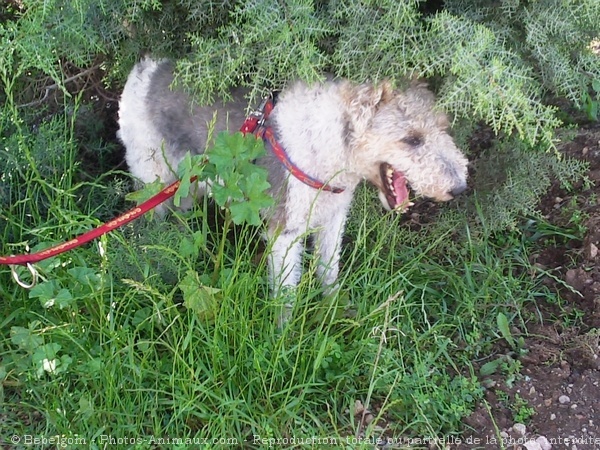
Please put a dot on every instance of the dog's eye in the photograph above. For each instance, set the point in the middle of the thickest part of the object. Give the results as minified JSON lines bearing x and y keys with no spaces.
{"x":414,"y":140}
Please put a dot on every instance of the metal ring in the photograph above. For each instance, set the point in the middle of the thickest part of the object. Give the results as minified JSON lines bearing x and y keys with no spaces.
{"x":32,"y":271}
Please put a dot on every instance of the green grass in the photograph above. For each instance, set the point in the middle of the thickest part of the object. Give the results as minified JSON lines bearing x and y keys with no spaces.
{"x":166,"y":329}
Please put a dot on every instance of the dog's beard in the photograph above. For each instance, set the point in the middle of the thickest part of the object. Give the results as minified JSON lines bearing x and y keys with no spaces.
{"x":394,"y":194}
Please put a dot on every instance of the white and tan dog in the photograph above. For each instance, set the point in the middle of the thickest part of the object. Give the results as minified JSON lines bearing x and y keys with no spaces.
{"x":337,"y":132}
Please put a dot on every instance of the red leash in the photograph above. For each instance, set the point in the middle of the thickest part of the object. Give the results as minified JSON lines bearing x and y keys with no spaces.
{"x":123,"y":219}
{"x":253,"y":124}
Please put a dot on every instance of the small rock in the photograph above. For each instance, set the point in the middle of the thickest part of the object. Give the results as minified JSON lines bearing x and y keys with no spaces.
{"x":532,"y":390}
{"x":552,"y":416}
{"x":544,"y":444}
{"x":532,"y":445}
{"x":519,"y":428}
{"x":548,"y":402}
{"x":574,"y":406}
{"x":578,"y":278}
{"x":504,"y":435}
{"x":358,"y":407}
{"x":564,"y":399}
{"x":592,"y":251}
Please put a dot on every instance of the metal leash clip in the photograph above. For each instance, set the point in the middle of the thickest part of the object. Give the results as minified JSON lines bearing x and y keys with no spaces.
{"x":260,"y":112}
{"x":34,"y":276}
{"x":254,"y":122}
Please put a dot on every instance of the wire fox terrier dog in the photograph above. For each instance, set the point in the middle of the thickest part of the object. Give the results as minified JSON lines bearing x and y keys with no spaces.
{"x":337,"y":132}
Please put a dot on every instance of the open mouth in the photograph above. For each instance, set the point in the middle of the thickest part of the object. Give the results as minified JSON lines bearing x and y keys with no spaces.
{"x":395,"y":188}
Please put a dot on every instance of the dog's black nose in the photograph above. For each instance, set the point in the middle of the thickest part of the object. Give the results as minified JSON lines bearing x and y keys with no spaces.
{"x":458,"y":190}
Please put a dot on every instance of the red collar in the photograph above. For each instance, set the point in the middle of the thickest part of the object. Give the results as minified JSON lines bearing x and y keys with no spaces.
{"x":269,"y":138}
{"x":255,"y":124}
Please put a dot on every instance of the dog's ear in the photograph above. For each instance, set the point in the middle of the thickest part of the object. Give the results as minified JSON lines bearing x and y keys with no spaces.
{"x":418,"y":91}
{"x":365,"y":99}
{"x":387,"y":92}
{"x":419,"y":94}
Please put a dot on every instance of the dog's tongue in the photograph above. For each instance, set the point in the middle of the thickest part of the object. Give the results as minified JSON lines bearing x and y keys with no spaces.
{"x":400,"y":189}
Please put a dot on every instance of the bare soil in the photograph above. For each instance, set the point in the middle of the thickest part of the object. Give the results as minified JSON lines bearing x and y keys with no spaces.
{"x":560,"y":376}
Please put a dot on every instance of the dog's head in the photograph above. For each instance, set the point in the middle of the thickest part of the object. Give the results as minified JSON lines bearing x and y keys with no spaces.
{"x":399,"y":141}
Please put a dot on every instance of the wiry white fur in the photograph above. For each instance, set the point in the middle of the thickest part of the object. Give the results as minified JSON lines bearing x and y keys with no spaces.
{"x":337,"y":132}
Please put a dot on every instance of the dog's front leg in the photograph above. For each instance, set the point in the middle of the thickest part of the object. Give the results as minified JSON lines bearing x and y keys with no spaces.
{"x":328,"y":243}
{"x":285,"y":269}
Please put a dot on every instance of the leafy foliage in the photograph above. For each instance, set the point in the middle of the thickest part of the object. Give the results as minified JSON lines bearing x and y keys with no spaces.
{"x":264,"y":43}
{"x":237,"y":183}
{"x":591,"y":101}
{"x":552,"y":36}
{"x":486,"y":80}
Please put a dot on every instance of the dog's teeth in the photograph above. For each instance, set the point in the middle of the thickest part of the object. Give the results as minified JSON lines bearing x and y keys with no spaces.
{"x":401,"y":208}
{"x":390,"y":180}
